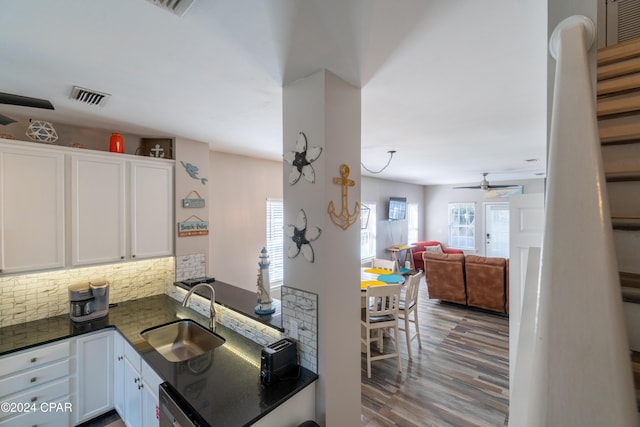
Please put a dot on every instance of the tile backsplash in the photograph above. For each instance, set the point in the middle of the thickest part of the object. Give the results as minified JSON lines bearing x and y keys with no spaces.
{"x":40,"y":295}
{"x":190,"y":266}
{"x":302,"y":307}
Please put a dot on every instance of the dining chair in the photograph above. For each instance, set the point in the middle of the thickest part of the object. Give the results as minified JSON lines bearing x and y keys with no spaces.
{"x":408,"y":305}
{"x":384,"y":264}
{"x":379,"y":313}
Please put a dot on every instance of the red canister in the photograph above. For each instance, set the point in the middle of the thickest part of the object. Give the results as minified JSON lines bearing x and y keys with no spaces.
{"x":116,"y":143}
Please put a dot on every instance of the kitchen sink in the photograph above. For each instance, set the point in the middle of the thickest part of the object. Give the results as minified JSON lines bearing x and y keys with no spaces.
{"x":181,"y":340}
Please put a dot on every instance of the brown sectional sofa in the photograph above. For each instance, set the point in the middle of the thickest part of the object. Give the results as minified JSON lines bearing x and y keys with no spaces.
{"x":468,"y":279}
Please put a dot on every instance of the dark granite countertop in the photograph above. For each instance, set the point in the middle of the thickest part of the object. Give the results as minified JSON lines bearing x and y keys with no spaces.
{"x":223,"y":386}
{"x":241,"y":301}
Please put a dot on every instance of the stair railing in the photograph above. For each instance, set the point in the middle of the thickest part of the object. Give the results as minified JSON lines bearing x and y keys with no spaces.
{"x":579,"y":370}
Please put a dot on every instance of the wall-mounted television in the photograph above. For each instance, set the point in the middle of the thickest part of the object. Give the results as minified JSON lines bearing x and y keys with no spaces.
{"x":397,"y":208}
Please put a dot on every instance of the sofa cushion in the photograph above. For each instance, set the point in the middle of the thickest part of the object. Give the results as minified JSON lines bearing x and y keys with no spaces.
{"x":444,"y":274}
{"x":486,"y":282}
{"x":437,"y":249}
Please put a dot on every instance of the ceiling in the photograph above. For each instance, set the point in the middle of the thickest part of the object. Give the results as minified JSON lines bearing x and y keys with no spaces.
{"x":457,"y":88}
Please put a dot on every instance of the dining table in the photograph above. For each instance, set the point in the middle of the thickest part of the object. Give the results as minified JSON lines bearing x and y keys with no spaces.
{"x":370,"y":276}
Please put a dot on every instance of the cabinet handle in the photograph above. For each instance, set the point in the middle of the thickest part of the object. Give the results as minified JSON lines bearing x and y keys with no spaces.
{"x":133,"y":256}
{"x":33,"y":379}
{"x":136,"y":380}
{"x":33,"y":359}
{"x":119,"y":357}
{"x":34,"y":398}
{"x":121,"y":257}
{"x":140,"y":386}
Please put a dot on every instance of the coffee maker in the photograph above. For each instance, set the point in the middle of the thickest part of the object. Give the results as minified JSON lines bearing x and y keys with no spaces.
{"x":88,"y":301}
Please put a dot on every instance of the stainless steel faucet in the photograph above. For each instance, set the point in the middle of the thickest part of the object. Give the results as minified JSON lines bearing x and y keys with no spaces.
{"x":212,"y":309}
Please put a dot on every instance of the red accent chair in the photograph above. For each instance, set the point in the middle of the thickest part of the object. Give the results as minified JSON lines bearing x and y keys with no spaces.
{"x":419,"y":250}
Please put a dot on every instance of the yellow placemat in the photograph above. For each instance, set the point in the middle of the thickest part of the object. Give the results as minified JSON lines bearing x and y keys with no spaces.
{"x":378,"y":271}
{"x":365,"y":283}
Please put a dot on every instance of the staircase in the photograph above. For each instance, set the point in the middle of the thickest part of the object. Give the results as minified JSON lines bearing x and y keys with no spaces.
{"x":618,"y":110}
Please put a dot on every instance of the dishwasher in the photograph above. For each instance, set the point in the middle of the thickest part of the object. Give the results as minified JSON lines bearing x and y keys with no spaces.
{"x":172,"y":414}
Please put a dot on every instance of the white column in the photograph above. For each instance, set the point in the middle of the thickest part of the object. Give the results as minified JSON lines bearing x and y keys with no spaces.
{"x":327,"y":110}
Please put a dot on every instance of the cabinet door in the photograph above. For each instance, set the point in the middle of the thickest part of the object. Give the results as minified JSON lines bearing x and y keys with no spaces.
{"x":150,"y":391}
{"x":94,"y":358}
{"x":150,"y":406}
{"x":132,"y":395}
{"x":118,"y":379}
{"x":97,"y":209}
{"x":31,"y":210}
{"x":151,"y":209}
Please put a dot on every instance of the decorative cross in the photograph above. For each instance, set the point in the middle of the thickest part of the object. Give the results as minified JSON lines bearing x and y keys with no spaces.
{"x":345,"y":219}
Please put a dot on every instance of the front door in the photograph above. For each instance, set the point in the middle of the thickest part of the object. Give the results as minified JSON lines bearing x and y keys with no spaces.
{"x":496,"y":230}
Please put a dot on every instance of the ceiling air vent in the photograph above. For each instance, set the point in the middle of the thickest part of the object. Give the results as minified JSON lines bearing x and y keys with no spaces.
{"x":177,"y":7}
{"x":89,"y":96}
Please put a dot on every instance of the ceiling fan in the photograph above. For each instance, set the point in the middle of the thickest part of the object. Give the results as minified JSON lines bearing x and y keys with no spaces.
{"x":484,"y":185}
{"x":23,"y":101}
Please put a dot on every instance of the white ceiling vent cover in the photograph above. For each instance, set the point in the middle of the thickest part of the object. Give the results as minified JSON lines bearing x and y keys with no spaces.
{"x":177,"y":7}
{"x":89,"y":96}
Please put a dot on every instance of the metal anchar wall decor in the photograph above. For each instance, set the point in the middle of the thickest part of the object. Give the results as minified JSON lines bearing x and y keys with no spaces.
{"x":344,"y":219}
{"x":301,"y":237}
{"x":301,"y":160}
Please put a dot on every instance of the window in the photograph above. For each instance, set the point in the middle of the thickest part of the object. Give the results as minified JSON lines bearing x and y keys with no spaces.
{"x":412,"y":222}
{"x":462,"y":226}
{"x":368,"y":235}
{"x":275,"y":240}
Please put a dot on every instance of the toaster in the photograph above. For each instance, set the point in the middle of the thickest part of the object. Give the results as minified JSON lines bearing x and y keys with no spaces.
{"x":279,"y":361}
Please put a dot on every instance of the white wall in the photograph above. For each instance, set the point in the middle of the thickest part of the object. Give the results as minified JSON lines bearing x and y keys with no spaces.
{"x":437,"y":198}
{"x":194,"y":153}
{"x":238,"y":189}
{"x":389,"y":233}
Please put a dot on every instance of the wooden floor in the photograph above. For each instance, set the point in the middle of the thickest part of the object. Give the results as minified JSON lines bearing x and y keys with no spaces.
{"x":460,"y":377}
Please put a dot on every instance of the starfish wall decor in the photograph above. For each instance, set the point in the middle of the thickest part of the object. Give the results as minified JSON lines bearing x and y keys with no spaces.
{"x":301,"y":160}
{"x":301,"y":237}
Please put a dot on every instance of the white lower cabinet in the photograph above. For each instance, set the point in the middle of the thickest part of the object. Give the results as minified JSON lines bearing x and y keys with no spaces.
{"x":94,"y":362}
{"x":36,"y":386}
{"x":136,"y":390}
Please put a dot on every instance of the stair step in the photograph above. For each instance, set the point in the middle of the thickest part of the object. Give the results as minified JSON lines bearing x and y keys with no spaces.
{"x":621,"y":130}
{"x":619,"y":51}
{"x":630,"y":283}
{"x":619,"y":84}
{"x":625,"y":223}
{"x":617,"y":69}
{"x":619,"y":104}
{"x":623,"y":176}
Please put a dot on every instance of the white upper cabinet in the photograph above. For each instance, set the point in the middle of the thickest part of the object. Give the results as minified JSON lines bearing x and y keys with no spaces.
{"x":32,"y":209}
{"x":98,"y":209}
{"x":62,"y":207}
{"x":151,"y":198}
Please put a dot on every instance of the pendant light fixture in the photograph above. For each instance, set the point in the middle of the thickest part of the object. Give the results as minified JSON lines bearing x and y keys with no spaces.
{"x":391,"y":153}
